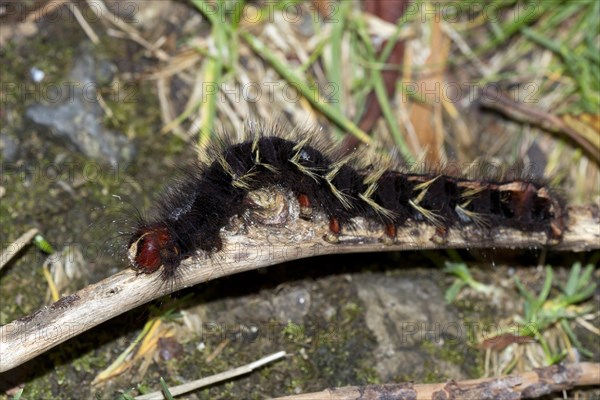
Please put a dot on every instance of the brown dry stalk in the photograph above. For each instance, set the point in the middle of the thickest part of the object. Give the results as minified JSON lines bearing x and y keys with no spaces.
{"x":527,"y":385}
{"x":15,"y":247}
{"x":538,"y":117}
{"x":250,"y":248}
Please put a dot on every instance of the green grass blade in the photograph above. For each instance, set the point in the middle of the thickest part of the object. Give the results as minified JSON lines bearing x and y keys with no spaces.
{"x":573,"y":281}
{"x":310,"y":94}
{"x":547,"y":286}
{"x":165,"y":389}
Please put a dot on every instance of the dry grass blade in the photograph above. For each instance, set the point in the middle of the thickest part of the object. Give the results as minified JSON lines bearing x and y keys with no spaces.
{"x":210,"y":380}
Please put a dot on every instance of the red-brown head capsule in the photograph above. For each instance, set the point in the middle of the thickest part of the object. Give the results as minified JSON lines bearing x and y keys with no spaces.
{"x":150,"y":248}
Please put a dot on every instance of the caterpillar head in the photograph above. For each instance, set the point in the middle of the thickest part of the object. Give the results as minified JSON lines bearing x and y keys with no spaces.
{"x":153,"y":246}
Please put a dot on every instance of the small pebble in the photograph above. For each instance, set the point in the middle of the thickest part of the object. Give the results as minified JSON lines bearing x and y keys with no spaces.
{"x":37,"y":75}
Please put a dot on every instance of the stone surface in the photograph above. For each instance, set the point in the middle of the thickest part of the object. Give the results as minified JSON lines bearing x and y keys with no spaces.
{"x":73,"y":116}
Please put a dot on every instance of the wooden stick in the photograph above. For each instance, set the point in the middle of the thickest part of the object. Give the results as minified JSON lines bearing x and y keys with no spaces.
{"x":15,"y":247}
{"x":528,"y":385}
{"x":250,"y":248}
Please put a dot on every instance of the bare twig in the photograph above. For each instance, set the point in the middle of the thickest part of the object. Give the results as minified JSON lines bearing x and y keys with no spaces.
{"x":101,"y":11}
{"x":254,"y":247}
{"x":209,"y":380}
{"x":538,"y":117}
{"x":528,"y":385}
{"x":15,"y":247}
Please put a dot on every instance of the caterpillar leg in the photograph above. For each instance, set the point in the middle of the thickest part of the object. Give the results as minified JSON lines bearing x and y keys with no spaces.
{"x":305,"y":206}
{"x":334,"y":225}
{"x":210,"y":242}
{"x":389,"y":236}
{"x":334,"y":231}
{"x":441,"y":235}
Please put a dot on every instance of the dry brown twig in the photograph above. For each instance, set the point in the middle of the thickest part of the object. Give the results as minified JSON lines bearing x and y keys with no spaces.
{"x":15,"y":247}
{"x":252,"y":246}
{"x":527,"y":385}
{"x":126,"y":30}
{"x":538,"y":117}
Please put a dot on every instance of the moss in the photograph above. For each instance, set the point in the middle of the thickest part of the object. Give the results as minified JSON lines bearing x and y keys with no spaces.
{"x":38,"y":389}
{"x":432,"y":374}
{"x":89,"y":363}
{"x":53,"y":59}
{"x":351,"y":311}
{"x":23,"y":285}
{"x":134,"y":109}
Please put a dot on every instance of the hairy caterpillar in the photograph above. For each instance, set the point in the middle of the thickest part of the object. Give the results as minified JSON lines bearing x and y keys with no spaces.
{"x":190,"y":215}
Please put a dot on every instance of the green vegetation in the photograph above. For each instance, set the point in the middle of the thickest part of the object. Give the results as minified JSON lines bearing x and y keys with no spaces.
{"x":542,"y":312}
{"x":463,"y":278}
